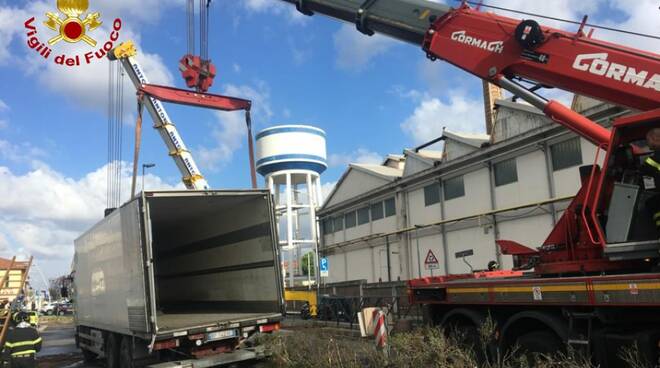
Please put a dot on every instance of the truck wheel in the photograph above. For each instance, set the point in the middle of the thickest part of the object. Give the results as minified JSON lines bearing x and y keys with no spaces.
{"x":537,"y":344}
{"x":126,"y":353}
{"x":112,"y":351}
{"x":88,"y":356}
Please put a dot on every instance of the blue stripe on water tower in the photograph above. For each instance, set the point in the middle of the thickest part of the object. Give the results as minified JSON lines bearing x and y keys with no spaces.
{"x":290,"y":129}
{"x":295,"y":161}
{"x":286,"y":165}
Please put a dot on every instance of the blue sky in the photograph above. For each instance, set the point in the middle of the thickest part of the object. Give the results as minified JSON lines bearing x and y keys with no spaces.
{"x":372,"y":96}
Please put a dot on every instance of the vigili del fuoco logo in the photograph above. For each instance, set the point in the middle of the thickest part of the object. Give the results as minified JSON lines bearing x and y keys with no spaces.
{"x":70,"y":26}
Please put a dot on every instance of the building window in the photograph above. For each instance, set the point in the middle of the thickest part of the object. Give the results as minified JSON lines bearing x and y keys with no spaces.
{"x":506,"y":172}
{"x":338,"y":223}
{"x":327,"y":226}
{"x":377,"y":211}
{"x":363,"y":215}
{"x":390,"y":208}
{"x":454,"y":188}
{"x":566,"y":154}
{"x":350,"y":219}
{"x":431,"y":194}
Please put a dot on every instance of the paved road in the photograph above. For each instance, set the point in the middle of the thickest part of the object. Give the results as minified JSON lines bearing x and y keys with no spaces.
{"x":59,"y":350}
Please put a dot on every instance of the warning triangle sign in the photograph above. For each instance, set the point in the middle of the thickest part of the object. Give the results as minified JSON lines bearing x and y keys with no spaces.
{"x":430,"y":258}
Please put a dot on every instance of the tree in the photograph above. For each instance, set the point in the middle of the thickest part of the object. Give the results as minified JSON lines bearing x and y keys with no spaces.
{"x":308,"y":264}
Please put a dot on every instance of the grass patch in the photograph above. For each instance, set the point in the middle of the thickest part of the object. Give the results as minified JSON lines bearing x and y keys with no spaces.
{"x":56,"y":320}
{"x":425,"y":347}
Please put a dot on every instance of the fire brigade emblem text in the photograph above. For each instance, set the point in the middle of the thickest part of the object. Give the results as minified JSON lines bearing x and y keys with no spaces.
{"x":72,"y":23}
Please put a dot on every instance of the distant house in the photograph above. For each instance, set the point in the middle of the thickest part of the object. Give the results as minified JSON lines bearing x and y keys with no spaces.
{"x":14,"y":281}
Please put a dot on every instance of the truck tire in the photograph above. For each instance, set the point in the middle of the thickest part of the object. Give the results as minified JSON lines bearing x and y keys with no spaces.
{"x":536,"y":344}
{"x":88,"y":356}
{"x":112,"y":351}
{"x":126,"y":353}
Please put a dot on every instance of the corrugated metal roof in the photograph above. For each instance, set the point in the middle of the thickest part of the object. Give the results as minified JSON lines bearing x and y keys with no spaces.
{"x":433,"y":155}
{"x":383,"y":171}
{"x":471,"y":139}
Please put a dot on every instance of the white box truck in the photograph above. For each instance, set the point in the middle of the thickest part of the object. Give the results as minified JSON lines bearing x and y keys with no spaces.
{"x":190,"y":276}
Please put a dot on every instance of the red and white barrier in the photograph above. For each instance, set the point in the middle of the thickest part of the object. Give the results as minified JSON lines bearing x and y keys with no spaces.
{"x":380,"y":329}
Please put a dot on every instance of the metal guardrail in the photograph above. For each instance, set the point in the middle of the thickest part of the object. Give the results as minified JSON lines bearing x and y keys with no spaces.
{"x":341,"y":307}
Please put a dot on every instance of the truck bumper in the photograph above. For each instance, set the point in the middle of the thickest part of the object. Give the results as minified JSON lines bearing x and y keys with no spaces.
{"x":217,"y":360}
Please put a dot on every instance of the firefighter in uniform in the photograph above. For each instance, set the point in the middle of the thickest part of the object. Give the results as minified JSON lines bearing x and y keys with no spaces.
{"x":22,"y":343}
{"x":651,"y":167}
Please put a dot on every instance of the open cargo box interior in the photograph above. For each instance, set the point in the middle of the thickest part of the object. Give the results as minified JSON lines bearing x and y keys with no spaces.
{"x":214,"y":259}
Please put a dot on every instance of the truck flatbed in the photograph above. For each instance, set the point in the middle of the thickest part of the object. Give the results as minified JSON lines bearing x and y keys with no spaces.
{"x":642,"y":289}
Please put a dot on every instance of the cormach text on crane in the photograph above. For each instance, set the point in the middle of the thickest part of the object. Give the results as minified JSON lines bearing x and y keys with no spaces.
{"x":64,"y":59}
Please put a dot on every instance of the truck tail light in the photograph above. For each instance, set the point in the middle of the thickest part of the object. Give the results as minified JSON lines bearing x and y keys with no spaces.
{"x":166,"y":344}
{"x":269,"y":328}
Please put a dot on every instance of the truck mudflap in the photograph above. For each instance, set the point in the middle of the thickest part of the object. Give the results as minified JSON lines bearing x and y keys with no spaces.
{"x":237,"y":356}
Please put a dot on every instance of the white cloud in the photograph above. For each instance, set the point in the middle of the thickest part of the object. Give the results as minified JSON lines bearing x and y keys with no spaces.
{"x":459,"y":114}
{"x":3,"y":106}
{"x":43,"y":211}
{"x":229,"y":131}
{"x":20,"y":153}
{"x":355,"y":50}
{"x":85,"y":85}
{"x":3,"y":124}
{"x":236,"y":67}
{"x":640,"y":16}
{"x":359,"y":156}
{"x":277,"y":8}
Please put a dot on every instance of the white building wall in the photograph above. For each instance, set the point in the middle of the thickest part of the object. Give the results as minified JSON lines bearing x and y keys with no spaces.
{"x":359,"y":264}
{"x":337,"y":267}
{"x":420,"y":214}
{"x":482,"y":245}
{"x":380,"y":262}
{"x":383,"y":225}
{"x":532,"y":185}
{"x":476,"y":199}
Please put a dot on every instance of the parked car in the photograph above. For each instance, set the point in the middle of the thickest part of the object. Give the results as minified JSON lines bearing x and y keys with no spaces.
{"x":48,"y":309}
{"x":64,"y":308}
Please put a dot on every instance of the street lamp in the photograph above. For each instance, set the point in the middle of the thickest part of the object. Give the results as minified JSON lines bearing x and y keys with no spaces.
{"x":144,"y":167}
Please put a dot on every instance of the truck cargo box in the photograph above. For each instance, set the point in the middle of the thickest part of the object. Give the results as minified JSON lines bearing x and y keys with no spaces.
{"x":180,"y":262}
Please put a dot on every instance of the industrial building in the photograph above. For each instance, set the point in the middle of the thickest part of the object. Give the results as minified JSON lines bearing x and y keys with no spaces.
{"x":382,"y":222}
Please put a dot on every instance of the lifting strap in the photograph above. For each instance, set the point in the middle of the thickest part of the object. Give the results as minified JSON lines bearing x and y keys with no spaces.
{"x":138,"y":141}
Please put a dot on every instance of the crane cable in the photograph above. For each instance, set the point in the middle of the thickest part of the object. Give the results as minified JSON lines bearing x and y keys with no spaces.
{"x":204,"y":29}
{"x":115,"y":134}
{"x":190,"y":12}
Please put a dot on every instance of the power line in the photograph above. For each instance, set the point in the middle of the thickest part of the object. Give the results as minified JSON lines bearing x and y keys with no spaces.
{"x":563,"y":20}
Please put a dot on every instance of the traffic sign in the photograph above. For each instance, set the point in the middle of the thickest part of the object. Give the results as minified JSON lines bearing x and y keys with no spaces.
{"x":431,"y":261}
{"x":324,"y":267}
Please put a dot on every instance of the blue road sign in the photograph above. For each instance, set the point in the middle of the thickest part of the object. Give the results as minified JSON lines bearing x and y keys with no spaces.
{"x":324,"y":267}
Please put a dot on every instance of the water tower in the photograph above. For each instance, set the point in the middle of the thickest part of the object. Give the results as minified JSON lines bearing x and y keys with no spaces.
{"x":292,"y":158}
